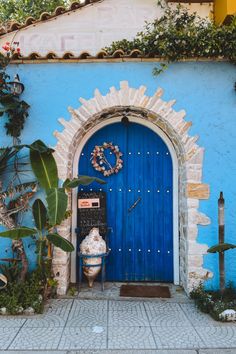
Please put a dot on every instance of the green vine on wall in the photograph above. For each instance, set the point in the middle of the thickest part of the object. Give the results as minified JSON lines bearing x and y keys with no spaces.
{"x":15,"y":109}
{"x":179,"y":35}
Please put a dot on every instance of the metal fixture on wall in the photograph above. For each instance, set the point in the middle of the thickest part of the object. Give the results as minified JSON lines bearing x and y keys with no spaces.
{"x":16,"y":86}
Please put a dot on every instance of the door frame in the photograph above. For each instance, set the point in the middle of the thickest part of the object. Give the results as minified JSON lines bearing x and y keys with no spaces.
{"x":167,"y":141}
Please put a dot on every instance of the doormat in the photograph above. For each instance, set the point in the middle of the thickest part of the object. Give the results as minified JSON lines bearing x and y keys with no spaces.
{"x":145,"y":291}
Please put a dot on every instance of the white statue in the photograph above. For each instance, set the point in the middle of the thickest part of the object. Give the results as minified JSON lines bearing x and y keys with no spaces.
{"x":92,"y":244}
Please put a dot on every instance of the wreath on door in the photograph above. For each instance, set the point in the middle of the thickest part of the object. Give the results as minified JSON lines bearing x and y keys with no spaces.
{"x":100,"y":162}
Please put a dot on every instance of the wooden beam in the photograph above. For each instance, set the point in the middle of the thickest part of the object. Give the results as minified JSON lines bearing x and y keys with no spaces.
{"x":198,"y":191}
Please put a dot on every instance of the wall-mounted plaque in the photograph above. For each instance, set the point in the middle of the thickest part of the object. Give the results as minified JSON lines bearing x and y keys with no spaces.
{"x":91,"y":212}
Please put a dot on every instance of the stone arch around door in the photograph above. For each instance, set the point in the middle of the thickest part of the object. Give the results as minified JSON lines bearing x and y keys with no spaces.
{"x":159,"y":116}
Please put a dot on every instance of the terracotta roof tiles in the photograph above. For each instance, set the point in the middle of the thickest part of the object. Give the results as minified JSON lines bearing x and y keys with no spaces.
{"x":60,"y":10}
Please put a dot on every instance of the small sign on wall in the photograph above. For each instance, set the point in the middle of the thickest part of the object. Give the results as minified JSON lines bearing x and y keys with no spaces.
{"x":92,"y":212}
{"x":89,"y":203}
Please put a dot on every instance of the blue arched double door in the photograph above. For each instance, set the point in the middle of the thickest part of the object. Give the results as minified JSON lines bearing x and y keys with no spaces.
{"x":142,"y":239}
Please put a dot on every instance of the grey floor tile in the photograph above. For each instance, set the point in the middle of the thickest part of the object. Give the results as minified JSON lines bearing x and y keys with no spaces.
{"x":130,"y":338}
{"x":198,"y":318}
{"x":88,"y":305}
{"x":217,"y":351}
{"x":177,"y":338}
{"x":127,"y":319}
{"x":55,"y":315}
{"x":46,"y":321}
{"x":168,"y":319}
{"x":6,"y":336}
{"x":218,"y":336}
{"x":162,"y":306}
{"x":132,"y":351}
{"x":33,"y":352}
{"x":166,"y":315}
{"x":37,"y":338}
{"x":87,"y":319}
{"x":128,"y":306}
{"x":83,"y":338}
{"x":11,"y":322}
{"x":59,"y":307}
{"x":88,"y":313}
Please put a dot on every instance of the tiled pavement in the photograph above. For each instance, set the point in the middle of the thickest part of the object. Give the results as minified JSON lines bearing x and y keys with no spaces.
{"x":117,"y":326}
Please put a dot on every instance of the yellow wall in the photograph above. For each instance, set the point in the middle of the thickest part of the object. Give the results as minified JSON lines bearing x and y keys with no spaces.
{"x":224,"y":8}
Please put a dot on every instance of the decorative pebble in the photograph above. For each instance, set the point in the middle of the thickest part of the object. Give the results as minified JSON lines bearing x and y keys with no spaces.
{"x":29,"y":311}
{"x":228,"y":315}
{"x":3,"y":310}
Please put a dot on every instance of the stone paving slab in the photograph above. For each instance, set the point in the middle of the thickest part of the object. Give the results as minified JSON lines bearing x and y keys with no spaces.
{"x":89,"y":305}
{"x":197,"y":318}
{"x":177,"y":338}
{"x":11,"y":322}
{"x":127,"y":306}
{"x":126,"y":319}
{"x":130,"y":338}
{"x":6,"y":336}
{"x":168,"y":315}
{"x":135,"y":351}
{"x":124,"y":326}
{"x":218,"y":337}
{"x":83,"y":338}
{"x":45,"y":321}
{"x":37,"y":338}
{"x":111,"y":351}
{"x":217,"y":351}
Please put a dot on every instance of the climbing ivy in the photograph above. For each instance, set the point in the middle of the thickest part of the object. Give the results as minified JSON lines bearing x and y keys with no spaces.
{"x":11,"y":106}
{"x":179,"y":35}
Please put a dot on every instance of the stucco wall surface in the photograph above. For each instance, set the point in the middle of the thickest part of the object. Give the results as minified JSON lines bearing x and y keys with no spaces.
{"x":204,"y":89}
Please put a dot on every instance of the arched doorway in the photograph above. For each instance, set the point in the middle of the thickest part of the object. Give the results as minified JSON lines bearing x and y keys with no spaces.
{"x":139,"y":202}
{"x":187,"y":159}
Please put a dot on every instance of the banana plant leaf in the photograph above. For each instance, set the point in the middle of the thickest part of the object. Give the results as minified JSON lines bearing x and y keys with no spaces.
{"x":40,"y":214}
{"x":39,"y":146}
{"x":57,"y":205}
{"x":18,"y":233}
{"x":60,"y":242}
{"x":45,"y":168}
{"x":221,"y":247}
{"x":84,"y":180}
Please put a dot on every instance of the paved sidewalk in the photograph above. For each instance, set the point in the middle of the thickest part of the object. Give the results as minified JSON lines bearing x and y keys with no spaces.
{"x":111,"y":325}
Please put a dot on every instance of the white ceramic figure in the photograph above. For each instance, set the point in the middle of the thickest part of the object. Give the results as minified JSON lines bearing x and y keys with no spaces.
{"x":92,"y":244}
{"x":228,"y":315}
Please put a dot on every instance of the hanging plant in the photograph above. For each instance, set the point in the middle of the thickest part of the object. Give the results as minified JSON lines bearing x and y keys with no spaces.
{"x":99,"y":160}
{"x":10,"y":105}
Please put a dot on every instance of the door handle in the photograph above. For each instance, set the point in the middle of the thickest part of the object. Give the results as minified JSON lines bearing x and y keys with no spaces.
{"x":134,"y":205}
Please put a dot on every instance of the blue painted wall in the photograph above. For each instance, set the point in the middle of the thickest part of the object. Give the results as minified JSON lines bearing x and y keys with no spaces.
{"x":204,"y":90}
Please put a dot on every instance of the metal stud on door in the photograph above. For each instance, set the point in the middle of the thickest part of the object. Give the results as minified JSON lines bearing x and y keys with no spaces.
{"x":139,"y":203}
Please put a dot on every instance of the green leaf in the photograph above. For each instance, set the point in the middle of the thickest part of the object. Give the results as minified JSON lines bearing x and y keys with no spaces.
{"x":39,"y":146}
{"x":221,"y":247}
{"x":40,"y":214}
{"x":60,"y":242}
{"x":57,"y":205}
{"x":18,"y":233}
{"x":84,"y":180}
{"x":45,"y":168}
